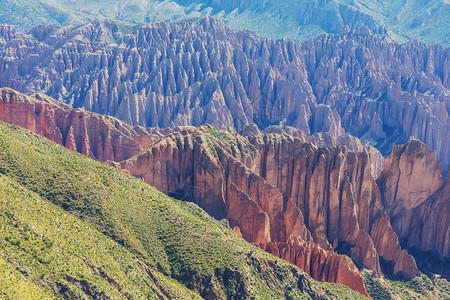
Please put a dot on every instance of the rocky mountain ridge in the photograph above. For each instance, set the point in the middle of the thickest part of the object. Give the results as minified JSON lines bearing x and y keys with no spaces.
{"x":100,"y":137}
{"x":304,"y":203}
{"x":277,"y":191}
{"x":168,"y":75}
{"x":298,"y":20}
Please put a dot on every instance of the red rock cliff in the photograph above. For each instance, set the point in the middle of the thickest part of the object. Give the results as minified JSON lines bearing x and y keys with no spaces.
{"x":100,"y":137}
{"x":416,"y":197}
{"x":281,"y":193}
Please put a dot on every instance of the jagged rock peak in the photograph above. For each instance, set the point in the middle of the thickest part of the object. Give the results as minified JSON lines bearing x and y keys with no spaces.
{"x":192,"y":73}
{"x":417,"y":198}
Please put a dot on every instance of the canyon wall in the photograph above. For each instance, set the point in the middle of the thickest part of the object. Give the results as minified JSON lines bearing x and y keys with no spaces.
{"x":165,"y":75}
{"x":100,"y":137}
{"x":416,"y":198}
{"x":302,"y":203}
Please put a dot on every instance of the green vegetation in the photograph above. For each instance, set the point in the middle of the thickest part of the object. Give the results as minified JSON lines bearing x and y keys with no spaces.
{"x":15,"y":285}
{"x":76,"y":260}
{"x":234,"y":144}
{"x":72,"y":227}
{"x":419,"y":288}
{"x":218,"y":134}
{"x":216,"y":139}
{"x":67,"y":97}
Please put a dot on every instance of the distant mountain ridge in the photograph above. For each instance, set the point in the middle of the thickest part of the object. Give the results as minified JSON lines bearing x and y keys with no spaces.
{"x":299,"y":19}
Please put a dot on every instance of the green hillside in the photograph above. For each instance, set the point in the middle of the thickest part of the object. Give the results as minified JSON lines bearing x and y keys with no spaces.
{"x":73,"y":228}
{"x":25,"y":14}
{"x":45,"y":249}
{"x":295,"y":19}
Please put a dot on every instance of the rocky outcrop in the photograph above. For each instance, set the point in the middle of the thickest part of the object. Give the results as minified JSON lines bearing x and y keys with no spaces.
{"x":325,"y":140}
{"x":164,"y":75}
{"x":416,"y":197}
{"x":210,"y":168}
{"x":337,"y":194}
{"x":100,"y":137}
{"x":429,"y":228}
{"x":277,"y":191}
{"x":320,"y":264}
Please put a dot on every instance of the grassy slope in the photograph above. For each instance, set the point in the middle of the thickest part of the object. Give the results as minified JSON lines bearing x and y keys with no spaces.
{"x":14,"y":285}
{"x":422,"y":287}
{"x":71,"y":224}
{"x":71,"y":259}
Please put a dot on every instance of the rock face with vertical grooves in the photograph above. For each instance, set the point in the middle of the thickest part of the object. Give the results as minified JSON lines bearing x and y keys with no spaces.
{"x":289,"y":197}
{"x":278,"y":190}
{"x":319,"y":263}
{"x":100,"y":137}
{"x":79,"y":130}
{"x":338,"y":196}
{"x":195,"y":73}
{"x":416,"y":197}
{"x":214,"y":169}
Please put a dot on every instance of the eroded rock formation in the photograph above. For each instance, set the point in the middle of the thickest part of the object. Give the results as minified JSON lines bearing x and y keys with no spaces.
{"x":416,"y":198}
{"x":319,"y":263}
{"x":281,"y":193}
{"x":338,"y":196}
{"x":194,"y":73}
{"x":100,"y":137}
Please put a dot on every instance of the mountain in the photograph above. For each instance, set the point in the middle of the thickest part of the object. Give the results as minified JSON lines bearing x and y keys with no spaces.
{"x":112,"y":139}
{"x":263,"y":160}
{"x":167,"y":75}
{"x":235,"y":165}
{"x":26,"y":14}
{"x":298,"y":20}
{"x":294,"y":200}
{"x":74,"y":228}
